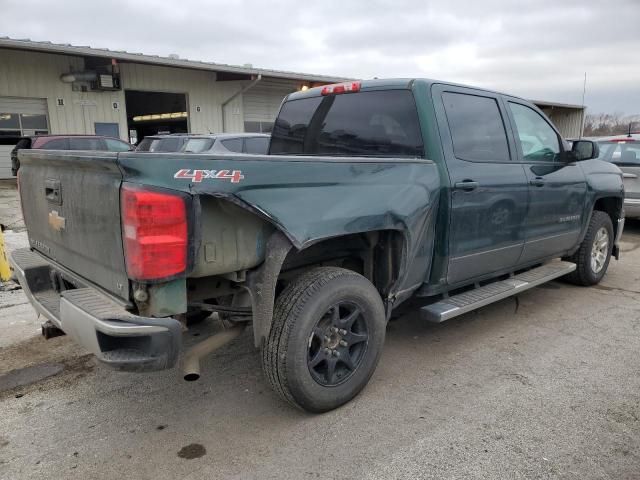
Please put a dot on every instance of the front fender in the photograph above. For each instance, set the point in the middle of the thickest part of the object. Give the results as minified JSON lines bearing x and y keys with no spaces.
{"x":604,"y":181}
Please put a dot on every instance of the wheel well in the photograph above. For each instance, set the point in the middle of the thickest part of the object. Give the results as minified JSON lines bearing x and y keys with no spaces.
{"x":375,"y":255}
{"x":612,"y":206}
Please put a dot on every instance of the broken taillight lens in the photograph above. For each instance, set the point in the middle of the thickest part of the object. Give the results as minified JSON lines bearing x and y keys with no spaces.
{"x":154,"y":230}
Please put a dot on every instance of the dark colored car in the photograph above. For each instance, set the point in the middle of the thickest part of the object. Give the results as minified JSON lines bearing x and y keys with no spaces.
{"x":372,"y":193}
{"x":252,"y":143}
{"x":67,"y":142}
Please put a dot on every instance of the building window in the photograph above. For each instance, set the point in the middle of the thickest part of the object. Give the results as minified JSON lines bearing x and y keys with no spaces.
{"x":107,"y":129}
{"x":22,"y":124}
{"x":258,"y":127}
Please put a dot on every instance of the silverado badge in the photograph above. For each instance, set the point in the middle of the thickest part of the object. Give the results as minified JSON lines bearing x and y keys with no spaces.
{"x":56,"y":221}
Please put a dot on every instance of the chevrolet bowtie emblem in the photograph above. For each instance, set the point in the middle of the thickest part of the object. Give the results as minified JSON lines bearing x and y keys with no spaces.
{"x":56,"y":221}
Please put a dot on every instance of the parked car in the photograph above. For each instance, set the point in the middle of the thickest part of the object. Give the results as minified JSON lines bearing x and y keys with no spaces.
{"x":373,"y":192}
{"x":625,"y":153}
{"x":66,"y":142}
{"x":253,"y":143}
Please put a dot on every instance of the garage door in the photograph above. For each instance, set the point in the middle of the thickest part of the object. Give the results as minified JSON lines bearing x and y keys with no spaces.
{"x":19,"y":117}
{"x":262,"y":102}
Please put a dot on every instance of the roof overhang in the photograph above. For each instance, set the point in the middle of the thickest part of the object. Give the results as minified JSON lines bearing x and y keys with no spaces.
{"x":541,"y":103}
{"x":122,"y":56}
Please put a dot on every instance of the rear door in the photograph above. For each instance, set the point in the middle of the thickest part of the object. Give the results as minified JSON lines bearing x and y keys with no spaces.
{"x":71,"y":207}
{"x":557,"y":188}
{"x":488,"y":194}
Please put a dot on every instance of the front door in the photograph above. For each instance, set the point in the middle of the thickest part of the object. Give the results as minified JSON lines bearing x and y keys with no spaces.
{"x":488,"y":194}
{"x":557,"y":188}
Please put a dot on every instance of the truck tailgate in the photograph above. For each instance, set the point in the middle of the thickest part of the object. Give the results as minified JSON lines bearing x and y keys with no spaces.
{"x":71,"y":207}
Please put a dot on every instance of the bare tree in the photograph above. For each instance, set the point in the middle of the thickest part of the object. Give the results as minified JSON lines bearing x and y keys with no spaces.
{"x":603,"y":124}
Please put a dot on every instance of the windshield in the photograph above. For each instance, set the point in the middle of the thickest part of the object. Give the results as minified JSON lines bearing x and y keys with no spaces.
{"x":621,"y":152}
{"x":168,"y":144}
{"x":380,"y":123}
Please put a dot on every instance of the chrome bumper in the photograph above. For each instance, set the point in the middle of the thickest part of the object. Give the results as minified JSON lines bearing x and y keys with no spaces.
{"x":119,"y":339}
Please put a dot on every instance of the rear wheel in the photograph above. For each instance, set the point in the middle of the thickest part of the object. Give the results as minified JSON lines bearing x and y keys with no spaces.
{"x":326,"y":339}
{"x":593,"y":256}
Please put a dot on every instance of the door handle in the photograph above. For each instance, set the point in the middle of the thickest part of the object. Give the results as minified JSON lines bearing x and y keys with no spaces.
{"x":629,"y":175}
{"x":537,"y":182}
{"x":467,"y":185}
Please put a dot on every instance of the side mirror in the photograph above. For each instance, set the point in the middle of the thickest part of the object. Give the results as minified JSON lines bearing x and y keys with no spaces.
{"x":585,"y":150}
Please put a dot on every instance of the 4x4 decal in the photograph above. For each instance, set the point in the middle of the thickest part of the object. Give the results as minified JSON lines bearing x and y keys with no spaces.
{"x":196,"y":176}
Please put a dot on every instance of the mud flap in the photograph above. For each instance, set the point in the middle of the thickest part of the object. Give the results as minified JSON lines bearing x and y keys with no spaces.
{"x":261,"y":285}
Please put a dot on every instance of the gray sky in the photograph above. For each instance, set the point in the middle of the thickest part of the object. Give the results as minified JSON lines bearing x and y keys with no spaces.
{"x":538,"y":49}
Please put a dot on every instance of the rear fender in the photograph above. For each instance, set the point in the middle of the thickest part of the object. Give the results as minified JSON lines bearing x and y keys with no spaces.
{"x":307,"y":200}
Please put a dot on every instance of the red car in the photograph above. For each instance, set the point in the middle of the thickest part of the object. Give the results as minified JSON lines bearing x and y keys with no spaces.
{"x":67,"y":142}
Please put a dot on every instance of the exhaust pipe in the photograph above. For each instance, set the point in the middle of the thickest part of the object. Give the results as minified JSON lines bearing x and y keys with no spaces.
{"x":191,"y":366}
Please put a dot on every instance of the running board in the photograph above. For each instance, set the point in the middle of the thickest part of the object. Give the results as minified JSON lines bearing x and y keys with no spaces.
{"x":455,"y":305}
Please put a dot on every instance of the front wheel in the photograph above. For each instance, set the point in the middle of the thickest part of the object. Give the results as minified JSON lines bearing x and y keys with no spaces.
{"x":594,"y":254}
{"x":326,"y":339}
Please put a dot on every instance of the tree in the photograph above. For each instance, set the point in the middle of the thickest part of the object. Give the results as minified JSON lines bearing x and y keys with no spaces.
{"x":605,"y":124}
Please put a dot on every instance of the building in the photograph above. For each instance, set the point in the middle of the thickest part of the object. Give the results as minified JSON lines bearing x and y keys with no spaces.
{"x":569,"y":119}
{"x":66,"y":89}
{"x":63,"y":89}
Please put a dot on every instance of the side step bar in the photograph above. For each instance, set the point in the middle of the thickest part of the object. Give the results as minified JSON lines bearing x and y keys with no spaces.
{"x":451,"y":307}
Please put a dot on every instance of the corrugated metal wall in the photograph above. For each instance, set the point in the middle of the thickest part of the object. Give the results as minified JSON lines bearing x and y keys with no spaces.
{"x":567,"y":120}
{"x":37,"y":75}
{"x":262,"y":102}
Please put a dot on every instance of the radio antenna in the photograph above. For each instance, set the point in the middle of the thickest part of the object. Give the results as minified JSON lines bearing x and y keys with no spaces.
{"x":584,"y":91}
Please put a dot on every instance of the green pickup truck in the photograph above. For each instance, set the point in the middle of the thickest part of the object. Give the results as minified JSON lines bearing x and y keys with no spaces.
{"x":373,"y":192}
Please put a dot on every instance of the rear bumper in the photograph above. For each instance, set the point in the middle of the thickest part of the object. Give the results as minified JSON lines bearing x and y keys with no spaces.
{"x":118,"y":339}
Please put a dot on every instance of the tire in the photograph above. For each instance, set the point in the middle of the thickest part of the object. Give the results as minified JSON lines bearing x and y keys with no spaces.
{"x":324,"y":311}
{"x":585,"y":274}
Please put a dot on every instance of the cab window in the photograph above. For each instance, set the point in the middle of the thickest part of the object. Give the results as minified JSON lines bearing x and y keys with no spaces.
{"x":476,"y":127}
{"x":539,"y":142}
{"x":114,"y":145}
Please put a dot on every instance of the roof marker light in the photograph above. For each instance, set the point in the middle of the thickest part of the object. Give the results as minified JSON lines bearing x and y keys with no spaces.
{"x":336,"y":88}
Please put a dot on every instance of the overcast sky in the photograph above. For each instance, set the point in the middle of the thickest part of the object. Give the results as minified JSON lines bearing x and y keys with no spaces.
{"x":538,"y":49}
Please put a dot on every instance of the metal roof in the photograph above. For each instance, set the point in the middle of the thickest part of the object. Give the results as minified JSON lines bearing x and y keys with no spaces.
{"x":542,"y":103}
{"x":86,"y":51}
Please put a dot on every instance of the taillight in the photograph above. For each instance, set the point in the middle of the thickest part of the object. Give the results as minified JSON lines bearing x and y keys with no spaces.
{"x":154,"y":227}
{"x":347,"y":87}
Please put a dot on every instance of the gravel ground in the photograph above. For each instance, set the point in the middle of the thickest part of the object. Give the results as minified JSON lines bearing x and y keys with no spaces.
{"x":543,"y":387}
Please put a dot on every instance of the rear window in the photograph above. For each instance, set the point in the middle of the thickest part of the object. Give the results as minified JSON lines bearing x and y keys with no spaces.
{"x":256,"y":145}
{"x":197,"y":145}
{"x":233,"y":144}
{"x":620,"y":153}
{"x":86,"y":144}
{"x":171,"y":144}
{"x":114,"y":145}
{"x":379,"y":124}
{"x":55,"y":144}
